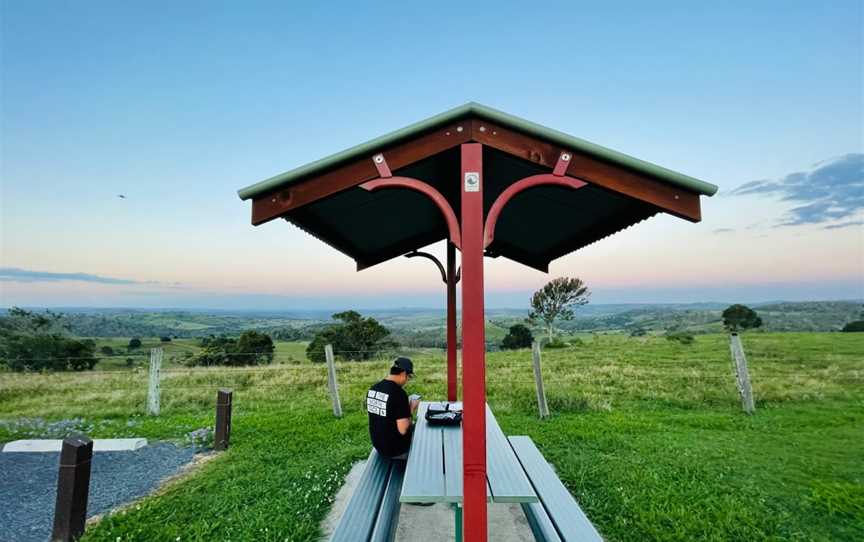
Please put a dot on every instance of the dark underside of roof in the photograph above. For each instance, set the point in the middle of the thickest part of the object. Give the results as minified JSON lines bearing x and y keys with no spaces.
{"x":535,"y":227}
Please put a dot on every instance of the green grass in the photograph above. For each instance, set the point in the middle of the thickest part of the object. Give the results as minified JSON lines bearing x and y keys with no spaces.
{"x":646,"y":433}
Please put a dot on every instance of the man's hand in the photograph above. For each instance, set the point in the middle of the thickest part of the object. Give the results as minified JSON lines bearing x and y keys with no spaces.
{"x":414,"y":404}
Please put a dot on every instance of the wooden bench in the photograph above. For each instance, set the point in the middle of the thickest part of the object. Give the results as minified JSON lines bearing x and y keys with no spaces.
{"x":373,"y":510}
{"x":557,"y":517}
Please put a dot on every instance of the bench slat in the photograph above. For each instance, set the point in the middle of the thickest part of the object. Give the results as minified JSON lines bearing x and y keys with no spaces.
{"x":423,"y":479}
{"x":569,"y":519}
{"x":453,"y":465}
{"x":505,"y":475}
{"x":388,"y":516}
{"x":540,"y":522}
{"x":362,"y":509}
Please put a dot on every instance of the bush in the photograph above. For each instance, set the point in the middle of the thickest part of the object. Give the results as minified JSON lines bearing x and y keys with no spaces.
{"x":106,"y":350}
{"x":165,"y":339}
{"x":555,"y":343}
{"x":680,"y":336}
{"x":518,"y":337}
{"x":135,"y":342}
{"x":855,"y":326}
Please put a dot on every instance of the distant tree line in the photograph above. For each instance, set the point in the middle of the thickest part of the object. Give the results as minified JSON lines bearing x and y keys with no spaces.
{"x":32,"y":341}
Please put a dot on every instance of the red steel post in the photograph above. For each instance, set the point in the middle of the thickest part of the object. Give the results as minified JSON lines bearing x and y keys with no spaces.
{"x":452,"y":377}
{"x":473,"y":346}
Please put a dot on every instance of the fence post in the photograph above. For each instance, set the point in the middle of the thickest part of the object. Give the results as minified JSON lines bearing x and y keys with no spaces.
{"x":224,"y":398}
{"x":742,"y":375}
{"x":331,"y":381}
{"x":153,"y":381}
{"x":538,"y":379}
{"x":73,"y":487}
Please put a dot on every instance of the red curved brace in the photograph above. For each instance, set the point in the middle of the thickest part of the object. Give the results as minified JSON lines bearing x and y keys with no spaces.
{"x":515,"y":188}
{"x":424,"y":188}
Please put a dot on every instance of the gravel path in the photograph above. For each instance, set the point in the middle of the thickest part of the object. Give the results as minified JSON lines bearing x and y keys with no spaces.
{"x":28,"y":485}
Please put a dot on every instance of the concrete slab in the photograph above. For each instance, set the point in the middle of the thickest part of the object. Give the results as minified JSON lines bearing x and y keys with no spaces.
{"x":55,"y":445}
{"x":435,"y":523}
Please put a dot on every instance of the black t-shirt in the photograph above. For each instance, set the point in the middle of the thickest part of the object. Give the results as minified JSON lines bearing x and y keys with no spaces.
{"x":387,"y":402}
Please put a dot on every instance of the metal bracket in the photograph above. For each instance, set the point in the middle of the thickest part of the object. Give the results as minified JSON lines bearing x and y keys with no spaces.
{"x":381,"y":166}
{"x":561,"y":165}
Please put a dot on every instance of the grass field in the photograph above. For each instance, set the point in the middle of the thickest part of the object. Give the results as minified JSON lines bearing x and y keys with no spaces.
{"x":645,"y":432}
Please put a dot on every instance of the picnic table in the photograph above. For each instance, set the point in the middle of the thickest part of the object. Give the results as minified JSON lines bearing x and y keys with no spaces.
{"x":434,"y":470}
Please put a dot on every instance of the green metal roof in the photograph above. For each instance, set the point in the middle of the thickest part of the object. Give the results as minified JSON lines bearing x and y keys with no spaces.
{"x":472,"y":109}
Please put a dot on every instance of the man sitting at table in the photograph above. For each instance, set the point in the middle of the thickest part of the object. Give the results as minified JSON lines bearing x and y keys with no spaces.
{"x":390,"y":411}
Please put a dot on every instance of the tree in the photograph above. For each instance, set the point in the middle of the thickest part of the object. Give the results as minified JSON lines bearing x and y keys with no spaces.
{"x":255,"y":345}
{"x":857,"y":325}
{"x":738,"y":318}
{"x":354,"y":338}
{"x":31,"y":341}
{"x":165,"y":339}
{"x":558,"y":299}
{"x":134,"y":342}
{"x":518,"y":337}
{"x":251,"y":348}
{"x":106,"y":350}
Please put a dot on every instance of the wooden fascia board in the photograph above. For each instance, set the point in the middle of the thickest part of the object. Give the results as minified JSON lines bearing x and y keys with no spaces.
{"x":676,"y":201}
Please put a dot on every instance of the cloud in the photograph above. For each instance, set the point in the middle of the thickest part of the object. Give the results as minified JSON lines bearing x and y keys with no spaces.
{"x":832,"y":190}
{"x":14,"y":274}
{"x":723,"y":230}
{"x":844,"y":225}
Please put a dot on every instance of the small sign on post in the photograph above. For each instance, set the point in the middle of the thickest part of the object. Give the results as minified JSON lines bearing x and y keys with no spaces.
{"x":153,"y":390}
{"x":331,"y":381}
{"x":73,"y":488}
{"x":224,"y":398}
{"x":538,"y":379}
{"x":742,"y":374}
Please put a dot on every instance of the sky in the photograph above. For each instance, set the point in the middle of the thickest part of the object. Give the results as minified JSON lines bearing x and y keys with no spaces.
{"x":176,"y":105}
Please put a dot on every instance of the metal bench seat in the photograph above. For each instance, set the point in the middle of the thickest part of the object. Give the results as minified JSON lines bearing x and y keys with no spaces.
{"x":373,"y":510}
{"x":557,"y":517}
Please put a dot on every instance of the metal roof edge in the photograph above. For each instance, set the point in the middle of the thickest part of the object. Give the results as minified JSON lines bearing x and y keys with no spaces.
{"x":604,"y":153}
{"x":468,"y":109}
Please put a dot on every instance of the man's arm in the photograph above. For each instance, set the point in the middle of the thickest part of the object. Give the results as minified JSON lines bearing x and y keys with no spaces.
{"x":403,"y":425}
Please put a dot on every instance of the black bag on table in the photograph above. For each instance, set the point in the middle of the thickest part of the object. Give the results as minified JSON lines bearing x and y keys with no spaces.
{"x":435,"y":415}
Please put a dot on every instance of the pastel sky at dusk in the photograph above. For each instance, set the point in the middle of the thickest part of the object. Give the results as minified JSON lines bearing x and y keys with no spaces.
{"x":176,"y":105}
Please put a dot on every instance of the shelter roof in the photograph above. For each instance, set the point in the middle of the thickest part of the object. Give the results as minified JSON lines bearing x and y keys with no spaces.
{"x":325,"y":197}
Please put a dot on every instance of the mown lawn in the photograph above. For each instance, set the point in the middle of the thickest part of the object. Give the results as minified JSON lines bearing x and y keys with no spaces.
{"x":645,"y":432}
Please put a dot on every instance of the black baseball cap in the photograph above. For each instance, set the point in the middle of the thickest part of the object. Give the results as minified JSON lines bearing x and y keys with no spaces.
{"x":404,"y":364}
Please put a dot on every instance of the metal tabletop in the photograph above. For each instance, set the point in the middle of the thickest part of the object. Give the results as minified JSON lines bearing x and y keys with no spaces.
{"x":434,"y":470}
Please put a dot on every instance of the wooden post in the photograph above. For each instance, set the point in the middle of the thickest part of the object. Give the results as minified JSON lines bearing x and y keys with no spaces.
{"x":153,"y":381}
{"x":224,"y":399}
{"x":473,"y":347}
{"x":73,"y":487}
{"x":538,"y":379}
{"x":742,"y":375}
{"x":331,"y":381}
{"x":452,"y":378}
